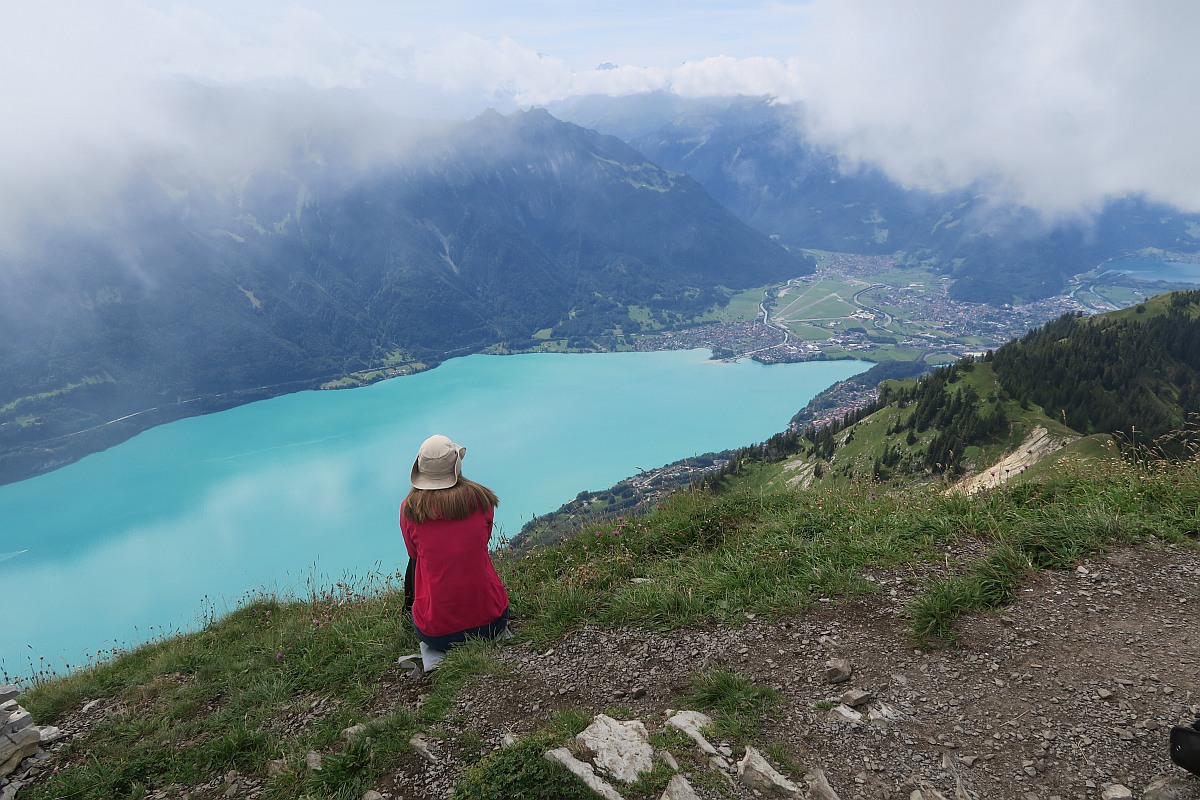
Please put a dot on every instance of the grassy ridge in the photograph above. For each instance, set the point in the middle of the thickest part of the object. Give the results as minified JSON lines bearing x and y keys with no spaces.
{"x":241,"y":694}
{"x":260,"y":689}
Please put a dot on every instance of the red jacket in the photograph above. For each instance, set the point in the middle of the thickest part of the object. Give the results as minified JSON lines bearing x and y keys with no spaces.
{"x":456,"y":585}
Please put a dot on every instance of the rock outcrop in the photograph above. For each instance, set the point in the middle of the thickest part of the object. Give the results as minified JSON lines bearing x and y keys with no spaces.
{"x":20,"y":742}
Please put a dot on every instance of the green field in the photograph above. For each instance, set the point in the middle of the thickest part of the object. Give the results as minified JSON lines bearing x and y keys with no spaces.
{"x":810,"y":333}
{"x":899,"y":299}
{"x":743,"y":306}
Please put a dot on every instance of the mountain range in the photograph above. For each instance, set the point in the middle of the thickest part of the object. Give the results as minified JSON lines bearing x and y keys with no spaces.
{"x":754,"y":157}
{"x":358,"y":242}
{"x":479,"y":234}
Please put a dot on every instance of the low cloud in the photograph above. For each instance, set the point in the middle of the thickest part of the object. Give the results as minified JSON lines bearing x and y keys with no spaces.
{"x":1055,"y":106}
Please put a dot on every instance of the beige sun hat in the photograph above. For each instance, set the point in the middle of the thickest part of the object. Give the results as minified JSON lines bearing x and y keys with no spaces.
{"x":438,"y":464}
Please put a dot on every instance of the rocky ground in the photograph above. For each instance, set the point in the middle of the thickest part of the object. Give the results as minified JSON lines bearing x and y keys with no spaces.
{"x":1069,"y":693}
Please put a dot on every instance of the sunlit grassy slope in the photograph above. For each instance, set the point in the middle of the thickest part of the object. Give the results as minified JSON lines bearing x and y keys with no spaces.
{"x":213,"y":700}
{"x":228,"y":697}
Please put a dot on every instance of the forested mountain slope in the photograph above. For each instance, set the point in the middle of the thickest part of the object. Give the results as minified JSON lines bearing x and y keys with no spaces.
{"x":1133,"y":371}
{"x":311,"y":269}
{"x":1131,"y":374}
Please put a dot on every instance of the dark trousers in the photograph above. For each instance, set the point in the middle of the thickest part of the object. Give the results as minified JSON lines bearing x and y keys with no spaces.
{"x":489,"y":631}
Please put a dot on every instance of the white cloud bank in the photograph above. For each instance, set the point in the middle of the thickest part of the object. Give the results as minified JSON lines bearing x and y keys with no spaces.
{"x":1061,"y":105}
{"x":1058,"y":106}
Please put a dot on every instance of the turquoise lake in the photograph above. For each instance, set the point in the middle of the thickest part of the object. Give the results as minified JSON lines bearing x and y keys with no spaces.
{"x":192,"y":517}
{"x":1148,"y":270}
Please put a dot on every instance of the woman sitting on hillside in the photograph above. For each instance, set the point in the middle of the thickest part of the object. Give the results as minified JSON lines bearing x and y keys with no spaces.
{"x":451,"y":584}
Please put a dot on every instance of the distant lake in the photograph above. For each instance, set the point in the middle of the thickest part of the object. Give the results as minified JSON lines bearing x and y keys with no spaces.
{"x":1145,"y":269}
{"x":142,"y":539}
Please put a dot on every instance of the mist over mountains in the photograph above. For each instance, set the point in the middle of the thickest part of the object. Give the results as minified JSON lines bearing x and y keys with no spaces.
{"x":754,"y":157}
{"x":311,"y":266}
{"x":271,"y":240}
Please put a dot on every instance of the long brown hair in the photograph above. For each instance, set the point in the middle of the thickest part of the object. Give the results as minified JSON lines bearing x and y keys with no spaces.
{"x":458,"y":502}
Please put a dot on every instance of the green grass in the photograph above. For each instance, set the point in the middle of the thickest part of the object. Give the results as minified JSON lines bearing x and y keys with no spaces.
{"x":520,"y":771}
{"x":819,"y":300}
{"x":195,"y":706}
{"x":740,"y":708}
{"x":811,"y":333}
{"x":744,"y":305}
{"x":741,"y":307}
{"x":207,"y":702}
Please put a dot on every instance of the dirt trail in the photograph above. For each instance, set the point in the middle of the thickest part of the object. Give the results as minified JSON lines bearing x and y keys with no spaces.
{"x":1039,"y":444}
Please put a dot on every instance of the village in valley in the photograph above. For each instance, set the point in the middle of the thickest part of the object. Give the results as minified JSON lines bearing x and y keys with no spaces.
{"x":878,"y":309}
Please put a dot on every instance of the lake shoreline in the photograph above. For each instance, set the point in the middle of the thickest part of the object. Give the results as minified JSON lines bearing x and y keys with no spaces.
{"x":301,"y":490}
{"x":43,"y":457}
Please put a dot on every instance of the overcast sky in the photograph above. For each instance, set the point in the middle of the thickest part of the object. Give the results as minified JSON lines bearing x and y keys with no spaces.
{"x":1058,"y":104}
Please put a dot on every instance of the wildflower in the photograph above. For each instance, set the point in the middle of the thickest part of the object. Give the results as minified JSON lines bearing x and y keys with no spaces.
{"x":279,"y":656}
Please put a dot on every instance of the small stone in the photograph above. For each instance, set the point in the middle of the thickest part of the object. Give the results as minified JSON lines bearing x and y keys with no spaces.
{"x":755,"y":772}
{"x":692,"y":723}
{"x":1172,"y":787}
{"x":838,"y":670}
{"x":679,"y":789}
{"x":584,"y":772}
{"x":353,"y":732}
{"x":720,"y":764}
{"x":507,"y":741}
{"x":665,"y":757}
{"x":621,"y":749}
{"x":49,"y":734}
{"x":818,"y":786}
{"x":1117,"y":792}
{"x":857,"y":697}
{"x":313,"y":760}
{"x":421,"y":746}
{"x":371,"y":794}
